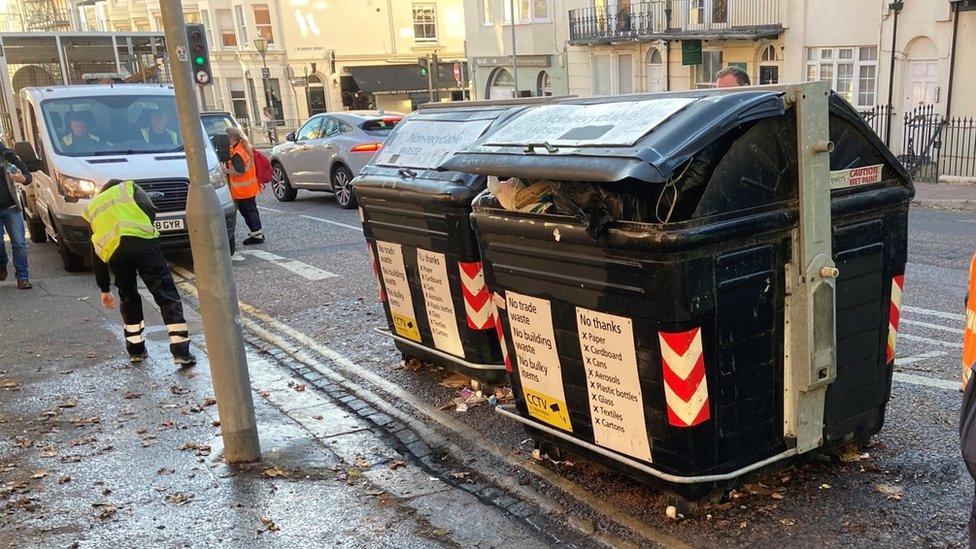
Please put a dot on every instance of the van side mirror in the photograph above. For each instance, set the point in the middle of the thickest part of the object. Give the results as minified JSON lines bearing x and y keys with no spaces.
{"x":28,"y":156}
{"x":221,"y":145}
{"x":291,"y":137}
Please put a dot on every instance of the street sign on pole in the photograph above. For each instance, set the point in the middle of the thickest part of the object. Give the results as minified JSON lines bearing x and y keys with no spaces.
{"x":265,"y":72}
{"x":211,"y":260}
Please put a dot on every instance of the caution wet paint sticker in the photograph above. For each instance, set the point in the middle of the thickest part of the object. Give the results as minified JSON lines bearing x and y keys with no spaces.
{"x":841,"y":179}
{"x":397,"y":290}
{"x":530,"y":321}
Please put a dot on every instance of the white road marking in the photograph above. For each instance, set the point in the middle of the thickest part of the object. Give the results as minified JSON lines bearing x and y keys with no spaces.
{"x":926,"y":381}
{"x":930,"y":312}
{"x":276,"y":210}
{"x":932,"y":326}
{"x":930,"y":341}
{"x":303,"y":270}
{"x":336,"y":223}
{"x":909,"y":360}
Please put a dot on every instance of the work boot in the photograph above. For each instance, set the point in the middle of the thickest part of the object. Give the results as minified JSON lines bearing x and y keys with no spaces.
{"x":3,"y":273}
{"x":24,"y":284}
{"x":182,"y":356}
{"x":138,"y":357}
{"x":137,"y":352}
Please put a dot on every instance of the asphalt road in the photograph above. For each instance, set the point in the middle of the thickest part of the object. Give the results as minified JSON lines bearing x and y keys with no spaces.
{"x":313,"y":280}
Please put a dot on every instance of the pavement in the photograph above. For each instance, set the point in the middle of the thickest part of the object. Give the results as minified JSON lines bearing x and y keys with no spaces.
{"x":946,"y":196}
{"x":96,"y":452}
{"x":309,"y":307}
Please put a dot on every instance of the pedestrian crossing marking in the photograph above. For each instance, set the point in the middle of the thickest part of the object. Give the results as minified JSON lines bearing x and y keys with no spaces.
{"x":303,"y":270}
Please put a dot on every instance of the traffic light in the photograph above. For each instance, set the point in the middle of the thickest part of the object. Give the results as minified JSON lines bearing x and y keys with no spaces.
{"x":424,"y":64}
{"x":196,"y":39}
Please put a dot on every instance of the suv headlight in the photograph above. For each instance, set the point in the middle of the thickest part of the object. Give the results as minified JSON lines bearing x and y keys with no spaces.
{"x":74,"y":187}
{"x":217,"y":178}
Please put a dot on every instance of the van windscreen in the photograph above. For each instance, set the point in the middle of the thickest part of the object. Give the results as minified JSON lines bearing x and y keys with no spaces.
{"x":113,"y":125}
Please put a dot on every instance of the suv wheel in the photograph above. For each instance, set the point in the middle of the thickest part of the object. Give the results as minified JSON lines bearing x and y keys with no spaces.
{"x":73,"y":263}
{"x":38,"y":233}
{"x":280,"y":185}
{"x":342,"y":187}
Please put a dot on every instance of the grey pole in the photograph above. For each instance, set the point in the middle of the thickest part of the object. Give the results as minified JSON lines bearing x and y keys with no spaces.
{"x":211,"y":260}
{"x":430,"y":78}
{"x":511,"y":8}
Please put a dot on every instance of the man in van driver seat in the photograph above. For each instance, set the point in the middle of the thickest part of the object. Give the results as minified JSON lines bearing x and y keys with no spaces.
{"x":79,"y":139}
{"x":158,"y":133}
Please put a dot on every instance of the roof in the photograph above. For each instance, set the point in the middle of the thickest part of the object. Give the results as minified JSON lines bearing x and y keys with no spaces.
{"x":87,"y":90}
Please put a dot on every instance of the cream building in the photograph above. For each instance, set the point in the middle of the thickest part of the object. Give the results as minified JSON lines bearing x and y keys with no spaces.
{"x":346,"y":54}
{"x":541,"y":35}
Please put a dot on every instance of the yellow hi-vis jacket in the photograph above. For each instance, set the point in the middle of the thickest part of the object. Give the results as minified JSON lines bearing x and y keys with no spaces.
{"x":172,"y":135}
{"x":114,"y":214}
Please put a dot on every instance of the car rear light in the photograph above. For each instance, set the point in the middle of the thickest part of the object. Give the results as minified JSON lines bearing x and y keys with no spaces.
{"x":393,"y":120}
{"x":367,"y":147}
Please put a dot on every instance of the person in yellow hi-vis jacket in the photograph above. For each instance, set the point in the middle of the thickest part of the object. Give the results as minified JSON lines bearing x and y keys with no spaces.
{"x":126,"y":243}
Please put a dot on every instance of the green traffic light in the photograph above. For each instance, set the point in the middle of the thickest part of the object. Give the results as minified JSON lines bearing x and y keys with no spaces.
{"x":200,"y":60}
{"x":423,"y":71}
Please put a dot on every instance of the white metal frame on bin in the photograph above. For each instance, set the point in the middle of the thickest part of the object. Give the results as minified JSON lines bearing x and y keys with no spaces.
{"x":810,"y":346}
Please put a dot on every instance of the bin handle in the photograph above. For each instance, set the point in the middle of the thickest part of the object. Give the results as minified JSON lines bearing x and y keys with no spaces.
{"x":509,"y":410}
{"x":406,"y":172}
{"x":530,"y":147}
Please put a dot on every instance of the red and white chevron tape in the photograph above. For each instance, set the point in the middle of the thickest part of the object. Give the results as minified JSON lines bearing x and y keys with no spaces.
{"x":500,"y":330}
{"x":685,"y":386}
{"x":376,"y":270}
{"x":894,"y":315}
{"x":477,"y":298}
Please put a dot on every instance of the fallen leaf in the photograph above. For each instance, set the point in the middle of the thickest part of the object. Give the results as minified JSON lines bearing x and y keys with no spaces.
{"x":209,"y":401}
{"x":460,"y":475}
{"x":264,"y":393}
{"x":40,"y":473}
{"x":198,"y":449}
{"x":852,"y":454}
{"x":456,"y":381}
{"x":787,"y":522}
{"x":68,"y":403}
{"x":320,"y":418}
{"x":132,"y":395}
{"x":890,"y":491}
{"x":397,"y":463}
{"x":825,"y":487}
{"x":275,"y":472}
{"x":179,"y":498}
{"x":177,"y":390}
{"x":9,"y":385}
{"x":300,"y":387}
{"x":268,"y":525}
{"x":104,"y":511}
{"x":776,"y":495}
{"x":164,"y":471}
{"x":64,"y":479}
{"x":361,"y":462}
{"x":49,"y":451}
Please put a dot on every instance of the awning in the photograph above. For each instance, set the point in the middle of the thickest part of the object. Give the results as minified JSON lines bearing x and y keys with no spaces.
{"x":400,"y":79}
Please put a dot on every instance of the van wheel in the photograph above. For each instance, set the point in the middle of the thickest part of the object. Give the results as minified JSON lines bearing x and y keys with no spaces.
{"x":280,"y":185}
{"x":342,"y":187}
{"x":73,"y":263}
{"x":38,"y":234}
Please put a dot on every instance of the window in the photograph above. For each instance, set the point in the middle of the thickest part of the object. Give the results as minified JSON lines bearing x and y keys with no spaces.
{"x":425,"y":23}
{"x":158,"y":21}
{"x":238,"y":98}
{"x":205,"y":19}
{"x":486,"y":12}
{"x":526,"y":11}
{"x":225,"y":22}
{"x":705,"y":73}
{"x":272,"y":98}
{"x":311,"y":129}
{"x":262,"y":22}
{"x":768,"y":54}
{"x":241,"y":25}
{"x":625,"y":73}
{"x":191,"y":17}
{"x":850,"y":70}
{"x":602,"y":77}
{"x":500,"y":84}
{"x":543,"y":84}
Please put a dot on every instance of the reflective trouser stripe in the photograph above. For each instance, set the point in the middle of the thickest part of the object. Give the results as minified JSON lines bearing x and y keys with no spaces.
{"x":181,"y":327}
{"x":178,"y":333}
{"x":178,"y":339}
{"x":258,"y":232}
{"x":135,"y":327}
{"x":135,"y":339}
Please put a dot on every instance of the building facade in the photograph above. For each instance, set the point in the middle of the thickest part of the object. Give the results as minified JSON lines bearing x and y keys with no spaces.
{"x":540,"y":38}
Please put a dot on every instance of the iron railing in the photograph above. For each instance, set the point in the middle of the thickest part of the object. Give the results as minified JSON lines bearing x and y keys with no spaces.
{"x":934,"y":145}
{"x":268,"y":133}
{"x":675,"y":18}
{"x":878,"y":117}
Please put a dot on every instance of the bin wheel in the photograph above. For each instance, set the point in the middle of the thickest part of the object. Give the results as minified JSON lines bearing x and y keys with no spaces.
{"x":547,"y":448}
{"x":681,"y":508}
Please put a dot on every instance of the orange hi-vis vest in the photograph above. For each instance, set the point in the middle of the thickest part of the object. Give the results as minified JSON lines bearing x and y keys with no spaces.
{"x":244,"y":185}
{"x":969,"y":333}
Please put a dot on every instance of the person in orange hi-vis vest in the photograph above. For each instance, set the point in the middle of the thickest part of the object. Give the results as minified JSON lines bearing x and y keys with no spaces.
{"x":244,"y":186}
{"x":969,"y":333}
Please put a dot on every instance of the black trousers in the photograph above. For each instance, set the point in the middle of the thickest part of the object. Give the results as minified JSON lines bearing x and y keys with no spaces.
{"x":138,"y":256}
{"x":249,"y":211}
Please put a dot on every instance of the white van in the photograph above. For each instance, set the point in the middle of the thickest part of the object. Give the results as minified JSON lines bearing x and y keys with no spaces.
{"x":81,"y":137}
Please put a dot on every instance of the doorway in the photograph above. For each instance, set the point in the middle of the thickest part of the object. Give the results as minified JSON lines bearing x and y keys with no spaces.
{"x":315,"y":95}
{"x":655,"y":71}
{"x":921,"y":84}
{"x":768,"y":75}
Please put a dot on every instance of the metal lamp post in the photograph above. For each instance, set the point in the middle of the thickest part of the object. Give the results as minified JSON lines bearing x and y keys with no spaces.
{"x":261,"y":45}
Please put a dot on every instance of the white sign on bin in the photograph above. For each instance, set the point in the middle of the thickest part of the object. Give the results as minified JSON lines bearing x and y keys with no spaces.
{"x":425,"y":144}
{"x":604,"y":124}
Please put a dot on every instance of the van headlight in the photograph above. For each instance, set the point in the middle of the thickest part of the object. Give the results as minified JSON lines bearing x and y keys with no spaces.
{"x":217,"y":178}
{"x":74,"y":187}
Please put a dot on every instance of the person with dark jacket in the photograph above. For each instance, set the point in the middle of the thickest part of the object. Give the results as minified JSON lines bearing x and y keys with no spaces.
{"x":127,"y":244}
{"x":11,"y":216}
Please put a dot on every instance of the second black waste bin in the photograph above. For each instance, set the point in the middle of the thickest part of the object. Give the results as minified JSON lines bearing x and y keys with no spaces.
{"x":416,"y":221}
{"x":654,"y":311}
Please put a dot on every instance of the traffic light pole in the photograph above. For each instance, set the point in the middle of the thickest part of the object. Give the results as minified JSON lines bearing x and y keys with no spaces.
{"x":211,"y":260}
{"x":430,"y":79}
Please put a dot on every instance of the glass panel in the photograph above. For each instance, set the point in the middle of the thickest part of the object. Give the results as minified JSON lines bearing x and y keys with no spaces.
{"x":541,"y":9}
{"x":424,"y":23}
{"x":486,"y":11}
{"x":602,"y":85}
{"x":845,"y":53}
{"x":272,"y":97}
{"x":865,"y":85}
{"x":89,"y":59}
{"x":110,"y":124}
{"x":827,"y":72}
{"x":868,"y":53}
{"x":845,"y":81}
{"x":241,"y":25}
{"x":262,"y":21}
{"x":826,"y":53}
{"x":225,"y":22}
{"x":811,"y":73}
{"x":811,"y":54}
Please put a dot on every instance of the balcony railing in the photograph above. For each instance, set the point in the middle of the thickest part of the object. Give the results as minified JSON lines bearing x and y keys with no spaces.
{"x":675,"y":19}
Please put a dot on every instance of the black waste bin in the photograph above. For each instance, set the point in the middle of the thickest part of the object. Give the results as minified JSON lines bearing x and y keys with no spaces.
{"x":416,"y":222}
{"x":662,"y":346}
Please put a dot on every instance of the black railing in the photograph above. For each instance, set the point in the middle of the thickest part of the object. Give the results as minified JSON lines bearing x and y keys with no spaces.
{"x":878,"y":117}
{"x":934,"y":146}
{"x":630,"y":20}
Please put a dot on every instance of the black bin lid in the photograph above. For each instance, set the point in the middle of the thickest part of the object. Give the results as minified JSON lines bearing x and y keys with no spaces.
{"x":638,"y":137}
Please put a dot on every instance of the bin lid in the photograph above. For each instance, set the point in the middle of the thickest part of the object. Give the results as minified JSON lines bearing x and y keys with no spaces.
{"x":413,"y":154}
{"x":641,"y":137}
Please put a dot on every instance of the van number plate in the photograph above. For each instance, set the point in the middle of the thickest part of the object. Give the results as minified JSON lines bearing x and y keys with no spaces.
{"x":169,"y":224}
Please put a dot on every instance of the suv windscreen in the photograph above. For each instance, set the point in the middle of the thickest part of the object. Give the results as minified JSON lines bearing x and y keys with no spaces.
{"x":115,"y":124}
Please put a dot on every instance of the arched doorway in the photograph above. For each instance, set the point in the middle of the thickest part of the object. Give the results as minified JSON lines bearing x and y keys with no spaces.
{"x":543,"y":84}
{"x":500,"y":84}
{"x":768,"y":65}
{"x":315,"y":94}
{"x":921,"y":73}
{"x":655,"y":71}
